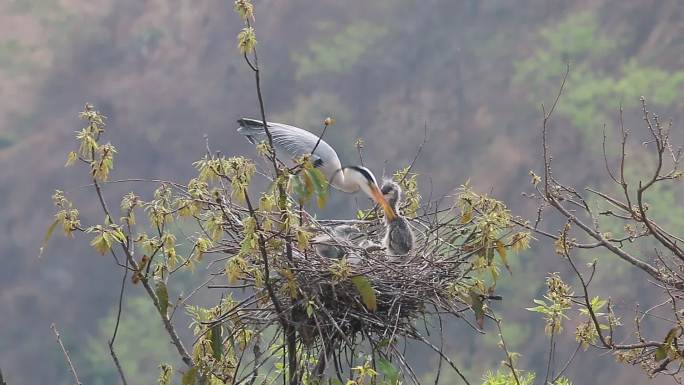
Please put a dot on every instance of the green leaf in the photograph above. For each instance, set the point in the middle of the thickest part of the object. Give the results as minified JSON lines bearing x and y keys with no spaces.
{"x":119,"y":235}
{"x":383,"y":343}
{"x":501,"y":250}
{"x":308,"y":183}
{"x":245,"y":9}
{"x":466,"y":217}
{"x":670,"y":336}
{"x":48,"y":235}
{"x":165,"y":374}
{"x":246,"y":40}
{"x":466,"y":212}
{"x":597,"y":303}
{"x":163,"y":296}
{"x":216,"y":343}
{"x":298,"y":187}
{"x":366,"y":290}
{"x":661,"y":352}
{"x":190,"y":376}
{"x":71,"y":158}
{"x":303,"y":239}
{"x":488,"y":252}
{"x":478,"y":308}
{"x":102,"y":243}
{"x":388,"y":370}
{"x":320,"y":184}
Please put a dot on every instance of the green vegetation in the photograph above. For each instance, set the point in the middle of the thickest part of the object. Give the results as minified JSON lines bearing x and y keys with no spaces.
{"x":597,"y":85}
{"x":474,"y":73}
{"x":338,"y":53}
{"x":261,"y":249}
{"x":140,"y":344}
{"x":501,"y":377}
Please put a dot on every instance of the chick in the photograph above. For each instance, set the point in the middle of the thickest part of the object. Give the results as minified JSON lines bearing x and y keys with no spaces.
{"x":399,"y":239}
{"x":329,"y":246}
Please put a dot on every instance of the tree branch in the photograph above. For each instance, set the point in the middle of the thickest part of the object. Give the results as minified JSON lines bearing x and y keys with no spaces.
{"x":115,"y":358}
{"x":72,"y":369}
{"x":170,"y":329}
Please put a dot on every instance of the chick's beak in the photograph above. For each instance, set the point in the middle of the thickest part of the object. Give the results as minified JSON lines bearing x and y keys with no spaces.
{"x":380,"y":199}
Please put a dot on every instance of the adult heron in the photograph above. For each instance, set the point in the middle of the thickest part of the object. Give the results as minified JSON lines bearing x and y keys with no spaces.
{"x":297,"y":142}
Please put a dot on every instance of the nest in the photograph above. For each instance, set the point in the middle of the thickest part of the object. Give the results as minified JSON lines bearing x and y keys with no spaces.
{"x":400,"y":290}
{"x":313,"y":304}
{"x":325,"y":305}
{"x":370,"y":294}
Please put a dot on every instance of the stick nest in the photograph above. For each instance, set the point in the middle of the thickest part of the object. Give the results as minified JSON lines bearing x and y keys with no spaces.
{"x":376,"y":295}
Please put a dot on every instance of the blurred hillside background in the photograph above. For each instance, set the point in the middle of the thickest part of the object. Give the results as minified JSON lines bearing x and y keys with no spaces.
{"x":166,"y":72}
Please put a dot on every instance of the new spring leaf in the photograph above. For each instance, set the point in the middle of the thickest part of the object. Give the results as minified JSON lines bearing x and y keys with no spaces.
{"x":367,"y":292}
{"x":163,"y":296}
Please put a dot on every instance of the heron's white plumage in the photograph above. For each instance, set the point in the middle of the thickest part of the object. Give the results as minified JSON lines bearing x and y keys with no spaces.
{"x":297,"y":142}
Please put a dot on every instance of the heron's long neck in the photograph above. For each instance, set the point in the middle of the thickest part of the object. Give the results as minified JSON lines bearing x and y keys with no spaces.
{"x":394,"y":203}
{"x":341,"y":182}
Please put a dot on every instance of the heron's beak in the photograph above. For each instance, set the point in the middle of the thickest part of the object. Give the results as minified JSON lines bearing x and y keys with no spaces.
{"x":380,"y":199}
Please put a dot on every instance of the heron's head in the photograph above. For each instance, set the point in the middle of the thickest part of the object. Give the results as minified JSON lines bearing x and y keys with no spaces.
{"x":392,"y":192}
{"x":365,"y":179}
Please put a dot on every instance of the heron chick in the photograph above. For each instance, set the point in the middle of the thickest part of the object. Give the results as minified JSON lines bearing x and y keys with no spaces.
{"x":331,"y":246}
{"x":399,"y":238}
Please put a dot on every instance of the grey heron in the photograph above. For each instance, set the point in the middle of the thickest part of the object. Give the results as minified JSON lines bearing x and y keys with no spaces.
{"x":297,"y":142}
{"x":329,"y":246}
{"x":398,"y":234}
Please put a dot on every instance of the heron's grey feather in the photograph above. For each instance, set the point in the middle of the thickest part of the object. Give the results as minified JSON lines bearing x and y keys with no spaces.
{"x":294,"y":142}
{"x":398,"y":237}
{"x":326,"y":245}
{"x":398,"y":234}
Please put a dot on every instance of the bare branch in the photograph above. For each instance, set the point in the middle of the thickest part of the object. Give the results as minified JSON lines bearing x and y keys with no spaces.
{"x":72,"y":369}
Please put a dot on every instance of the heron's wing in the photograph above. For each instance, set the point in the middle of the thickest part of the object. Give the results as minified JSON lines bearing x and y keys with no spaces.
{"x":293,"y":141}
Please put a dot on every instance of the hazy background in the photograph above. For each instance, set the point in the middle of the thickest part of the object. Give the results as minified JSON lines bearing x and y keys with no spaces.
{"x":168,"y":72}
